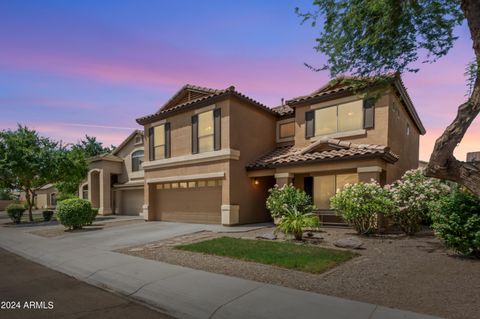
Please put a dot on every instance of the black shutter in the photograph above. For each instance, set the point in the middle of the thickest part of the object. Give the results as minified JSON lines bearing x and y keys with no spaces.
{"x":217,"y":129}
{"x":151,"y":142}
{"x":309,"y":124}
{"x":195,"y":134}
{"x":167,"y":140}
{"x":368,"y":113}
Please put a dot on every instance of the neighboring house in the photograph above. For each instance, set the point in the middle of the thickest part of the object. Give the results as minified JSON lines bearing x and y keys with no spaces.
{"x":211,"y":155}
{"x":473,"y":157}
{"x":46,"y":197}
{"x":115,"y":180}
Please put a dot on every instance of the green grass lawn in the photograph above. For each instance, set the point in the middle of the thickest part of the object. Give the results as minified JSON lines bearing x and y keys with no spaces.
{"x":283,"y":254}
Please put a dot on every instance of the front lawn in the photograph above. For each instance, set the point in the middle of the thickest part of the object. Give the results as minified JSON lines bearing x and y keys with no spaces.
{"x":283,"y":254}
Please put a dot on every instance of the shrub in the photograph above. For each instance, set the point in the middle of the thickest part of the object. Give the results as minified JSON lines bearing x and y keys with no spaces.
{"x":64,"y":196}
{"x":286,"y":199}
{"x":413,"y":195}
{"x":293,"y":222}
{"x":74,"y":213}
{"x":359,"y":204}
{"x":47,"y":215}
{"x":456,"y":219}
{"x":93,"y":215}
{"x":15,"y":212}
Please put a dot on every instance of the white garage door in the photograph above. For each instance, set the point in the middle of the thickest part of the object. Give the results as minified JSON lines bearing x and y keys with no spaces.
{"x":131,"y":202}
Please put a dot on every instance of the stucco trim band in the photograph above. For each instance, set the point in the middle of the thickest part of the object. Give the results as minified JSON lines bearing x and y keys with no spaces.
{"x":283,"y":175}
{"x":369,"y":169}
{"x":183,"y":178}
{"x":223,"y":154}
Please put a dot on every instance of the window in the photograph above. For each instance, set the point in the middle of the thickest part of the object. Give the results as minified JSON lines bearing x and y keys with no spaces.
{"x":286,"y":130}
{"x":340,"y":118}
{"x":85,"y":192}
{"x":205,"y":132}
{"x":137,"y":160}
{"x":159,"y":142}
{"x":191,"y":184}
{"x":324,"y":187}
{"x":53,"y":199}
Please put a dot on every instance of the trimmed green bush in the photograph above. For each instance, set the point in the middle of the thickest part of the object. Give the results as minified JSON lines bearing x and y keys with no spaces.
{"x":456,"y":219}
{"x":47,"y":215}
{"x":413,"y":195}
{"x":74,"y":213}
{"x":286,"y":199}
{"x":15,"y":212}
{"x":359,"y":205}
{"x":93,"y":214}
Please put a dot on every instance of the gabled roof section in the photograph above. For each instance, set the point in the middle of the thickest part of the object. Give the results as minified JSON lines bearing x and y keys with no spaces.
{"x":335,"y":89}
{"x":283,"y":110}
{"x":125,"y":142}
{"x":105,"y":157}
{"x":217,"y":95}
{"x":321,"y":151}
{"x":187,"y":93}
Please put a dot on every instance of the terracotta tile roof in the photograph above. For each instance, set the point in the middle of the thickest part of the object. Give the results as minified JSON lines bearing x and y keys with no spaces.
{"x":321,"y":150}
{"x":230,"y":91}
{"x":283,"y":110}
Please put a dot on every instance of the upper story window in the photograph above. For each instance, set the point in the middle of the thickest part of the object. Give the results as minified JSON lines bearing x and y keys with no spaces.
{"x":206,"y":131}
{"x":285,"y":130}
{"x":340,"y":118}
{"x":159,"y":142}
{"x":137,"y":160}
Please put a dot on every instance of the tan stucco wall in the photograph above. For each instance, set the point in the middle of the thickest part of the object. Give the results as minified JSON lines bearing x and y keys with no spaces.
{"x":253,"y":133}
{"x":407,"y":147}
{"x":126,"y":154}
{"x":375,"y":135}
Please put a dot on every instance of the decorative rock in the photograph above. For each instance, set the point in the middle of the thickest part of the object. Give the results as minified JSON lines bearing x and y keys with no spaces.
{"x":269,"y":236}
{"x":348,"y":242}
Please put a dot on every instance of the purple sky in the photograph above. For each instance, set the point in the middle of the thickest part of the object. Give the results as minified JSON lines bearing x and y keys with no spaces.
{"x":91,"y":67}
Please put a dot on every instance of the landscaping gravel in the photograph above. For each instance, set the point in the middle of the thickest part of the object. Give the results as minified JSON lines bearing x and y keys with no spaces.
{"x":411,"y":273}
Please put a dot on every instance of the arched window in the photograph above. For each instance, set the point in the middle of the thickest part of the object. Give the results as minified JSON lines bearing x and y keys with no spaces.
{"x":137,"y":160}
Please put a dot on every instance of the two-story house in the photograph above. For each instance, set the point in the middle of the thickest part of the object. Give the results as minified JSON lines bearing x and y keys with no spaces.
{"x":211,"y":155}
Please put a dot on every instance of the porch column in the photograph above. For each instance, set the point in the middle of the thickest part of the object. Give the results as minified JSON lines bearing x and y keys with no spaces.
{"x":105,"y":193}
{"x":148,"y":207}
{"x":283,"y":179}
{"x":118,"y":198}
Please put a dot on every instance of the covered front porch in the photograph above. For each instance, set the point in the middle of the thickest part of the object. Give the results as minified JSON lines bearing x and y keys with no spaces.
{"x":323,"y":169}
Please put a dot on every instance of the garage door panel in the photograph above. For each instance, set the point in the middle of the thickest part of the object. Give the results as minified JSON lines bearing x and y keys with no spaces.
{"x":131,"y":202}
{"x":194,"y":205}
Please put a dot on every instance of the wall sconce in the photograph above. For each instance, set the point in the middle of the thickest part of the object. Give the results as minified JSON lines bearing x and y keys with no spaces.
{"x":255,"y":181}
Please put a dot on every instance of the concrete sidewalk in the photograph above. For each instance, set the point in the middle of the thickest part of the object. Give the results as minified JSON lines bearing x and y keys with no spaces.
{"x":179,"y":291}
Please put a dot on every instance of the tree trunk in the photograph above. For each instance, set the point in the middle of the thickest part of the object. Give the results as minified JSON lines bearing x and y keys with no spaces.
{"x":443,"y":163}
{"x":29,"y":198}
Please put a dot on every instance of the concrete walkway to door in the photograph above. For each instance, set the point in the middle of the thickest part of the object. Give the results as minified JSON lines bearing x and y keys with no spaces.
{"x":178,"y":291}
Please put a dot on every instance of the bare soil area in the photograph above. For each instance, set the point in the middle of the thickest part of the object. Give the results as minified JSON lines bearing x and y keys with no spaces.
{"x":412,"y":273}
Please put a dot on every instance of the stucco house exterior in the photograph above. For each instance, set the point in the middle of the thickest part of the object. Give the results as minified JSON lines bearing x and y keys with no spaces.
{"x":46,"y":197}
{"x":211,"y":155}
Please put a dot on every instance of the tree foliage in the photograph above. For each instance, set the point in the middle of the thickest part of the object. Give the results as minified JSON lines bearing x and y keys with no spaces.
{"x":374,"y":38}
{"x":91,"y":147}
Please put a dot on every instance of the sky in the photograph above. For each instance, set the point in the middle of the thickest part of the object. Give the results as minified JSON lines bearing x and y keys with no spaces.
{"x":70,"y":68}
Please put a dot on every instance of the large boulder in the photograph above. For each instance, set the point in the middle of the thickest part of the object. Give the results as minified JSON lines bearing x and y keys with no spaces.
{"x":348,"y":242}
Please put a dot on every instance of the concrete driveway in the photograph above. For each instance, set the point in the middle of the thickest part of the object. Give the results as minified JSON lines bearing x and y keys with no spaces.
{"x":178,"y":291}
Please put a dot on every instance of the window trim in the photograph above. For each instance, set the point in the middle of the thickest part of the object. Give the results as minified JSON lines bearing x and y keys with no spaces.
{"x":133,"y":157}
{"x":288,"y":138}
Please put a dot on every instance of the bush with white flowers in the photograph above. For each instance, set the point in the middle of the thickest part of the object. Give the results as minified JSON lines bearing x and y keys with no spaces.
{"x":414,"y":194}
{"x":359,"y":205}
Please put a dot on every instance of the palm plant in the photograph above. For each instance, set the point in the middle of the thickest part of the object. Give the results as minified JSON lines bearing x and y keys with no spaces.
{"x":294,"y":221}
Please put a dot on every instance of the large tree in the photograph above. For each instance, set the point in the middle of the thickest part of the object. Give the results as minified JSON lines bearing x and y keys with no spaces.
{"x":91,"y":147}
{"x":29,"y":161}
{"x":371,"y":38}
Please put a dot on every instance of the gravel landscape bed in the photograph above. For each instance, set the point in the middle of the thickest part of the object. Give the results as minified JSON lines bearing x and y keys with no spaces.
{"x":411,"y":273}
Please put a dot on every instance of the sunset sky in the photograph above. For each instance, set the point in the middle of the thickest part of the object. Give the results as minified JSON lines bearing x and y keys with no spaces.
{"x":70,"y":68}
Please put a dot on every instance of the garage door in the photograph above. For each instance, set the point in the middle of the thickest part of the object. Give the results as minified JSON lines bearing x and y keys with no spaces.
{"x":131,"y":202}
{"x":189,"y":205}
